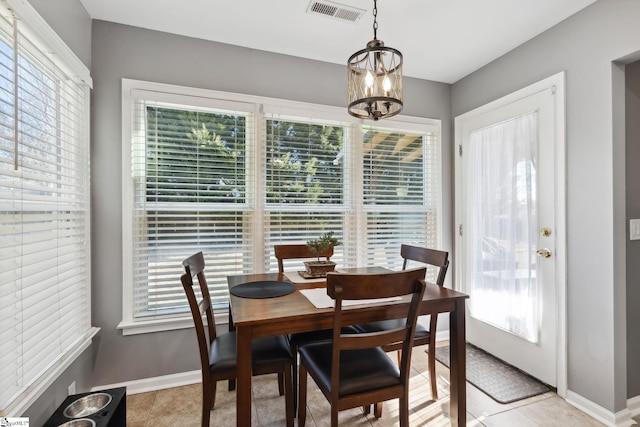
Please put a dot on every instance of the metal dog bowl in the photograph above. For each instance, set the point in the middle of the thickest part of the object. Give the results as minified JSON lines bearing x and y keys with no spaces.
{"x":87,"y":405}
{"x":81,"y":422}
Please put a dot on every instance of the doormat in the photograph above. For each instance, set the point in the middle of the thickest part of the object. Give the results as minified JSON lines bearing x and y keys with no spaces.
{"x":497,"y":379}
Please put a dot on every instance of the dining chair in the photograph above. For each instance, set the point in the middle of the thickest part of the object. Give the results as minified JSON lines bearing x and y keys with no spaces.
{"x":218,"y":357}
{"x":423,"y":336}
{"x":297,"y":251}
{"x":353,"y":370}
{"x":285,"y":252}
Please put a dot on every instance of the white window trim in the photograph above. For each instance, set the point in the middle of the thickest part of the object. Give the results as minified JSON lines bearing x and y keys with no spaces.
{"x":203,"y":97}
{"x":41,"y":33}
{"x":40,"y":30}
{"x":19,"y":406}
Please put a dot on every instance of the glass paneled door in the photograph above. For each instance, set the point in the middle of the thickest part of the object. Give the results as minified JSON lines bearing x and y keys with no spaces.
{"x":506,"y":212}
{"x":501,"y":229}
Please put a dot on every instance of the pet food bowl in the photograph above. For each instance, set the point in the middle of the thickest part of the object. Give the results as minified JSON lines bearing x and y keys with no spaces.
{"x":84,"y":406}
{"x":80,"y":422}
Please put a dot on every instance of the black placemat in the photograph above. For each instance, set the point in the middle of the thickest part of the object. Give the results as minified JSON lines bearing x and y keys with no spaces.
{"x":263,"y":289}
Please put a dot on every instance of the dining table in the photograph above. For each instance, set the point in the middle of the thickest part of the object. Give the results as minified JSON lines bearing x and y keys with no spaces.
{"x":293,"y":313}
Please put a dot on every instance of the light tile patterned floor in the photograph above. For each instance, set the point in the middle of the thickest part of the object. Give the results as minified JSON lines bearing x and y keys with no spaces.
{"x":181,"y":406}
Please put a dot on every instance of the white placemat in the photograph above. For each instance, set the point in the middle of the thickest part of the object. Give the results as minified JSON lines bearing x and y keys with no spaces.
{"x":297,"y":278}
{"x":319,"y":298}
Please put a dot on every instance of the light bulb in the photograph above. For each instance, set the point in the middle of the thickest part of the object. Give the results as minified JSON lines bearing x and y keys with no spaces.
{"x":368,"y":81}
{"x":386,"y":85}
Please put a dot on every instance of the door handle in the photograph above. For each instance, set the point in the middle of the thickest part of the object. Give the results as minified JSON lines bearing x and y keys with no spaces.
{"x":544,"y":252}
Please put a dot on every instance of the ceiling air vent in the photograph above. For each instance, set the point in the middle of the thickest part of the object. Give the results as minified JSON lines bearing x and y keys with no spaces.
{"x":335,"y":10}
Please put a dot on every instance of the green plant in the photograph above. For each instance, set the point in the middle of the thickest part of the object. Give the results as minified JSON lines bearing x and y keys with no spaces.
{"x":323,"y":243}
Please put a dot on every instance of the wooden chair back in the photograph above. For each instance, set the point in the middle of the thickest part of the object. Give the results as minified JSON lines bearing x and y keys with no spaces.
{"x":344,"y":286}
{"x":297,"y":251}
{"x":427,"y":256}
{"x":200,"y":309}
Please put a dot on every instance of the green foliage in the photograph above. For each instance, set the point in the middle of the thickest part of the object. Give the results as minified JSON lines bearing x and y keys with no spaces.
{"x":194,"y":157}
{"x":304,"y":163}
{"x":323,"y":243}
{"x":201,"y":157}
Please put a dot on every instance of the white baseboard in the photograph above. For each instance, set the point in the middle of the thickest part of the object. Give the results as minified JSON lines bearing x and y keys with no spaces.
{"x":442,"y":336}
{"x":156,"y":383}
{"x":618,"y":419}
{"x":633,"y":405}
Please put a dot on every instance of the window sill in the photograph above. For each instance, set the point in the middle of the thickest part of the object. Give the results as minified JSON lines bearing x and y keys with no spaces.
{"x":129,"y":327}
{"x":32,"y":393}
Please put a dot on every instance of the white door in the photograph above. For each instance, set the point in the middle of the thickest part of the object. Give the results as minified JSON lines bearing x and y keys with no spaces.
{"x":506,"y":211}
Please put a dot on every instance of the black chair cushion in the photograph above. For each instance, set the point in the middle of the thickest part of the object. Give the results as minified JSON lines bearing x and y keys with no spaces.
{"x":360,"y":370}
{"x":303,"y":338}
{"x":385,"y":325}
{"x":222,"y":353}
{"x":268,"y":350}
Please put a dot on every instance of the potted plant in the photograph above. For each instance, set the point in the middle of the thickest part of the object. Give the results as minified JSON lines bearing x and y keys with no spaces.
{"x":318,"y":247}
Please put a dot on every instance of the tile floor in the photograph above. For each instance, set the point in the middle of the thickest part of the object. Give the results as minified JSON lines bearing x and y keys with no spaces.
{"x":181,"y":406}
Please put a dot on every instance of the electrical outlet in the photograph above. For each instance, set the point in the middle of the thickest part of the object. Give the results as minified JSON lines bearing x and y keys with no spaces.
{"x":634,"y":229}
{"x":71,"y":389}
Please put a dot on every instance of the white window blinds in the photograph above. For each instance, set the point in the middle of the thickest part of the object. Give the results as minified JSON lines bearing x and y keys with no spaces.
{"x":305,"y":171}
{"x":400,"y":192}
{"x":189,"y":171}
{"x":232,"y":175}
{"x":44,"y":209}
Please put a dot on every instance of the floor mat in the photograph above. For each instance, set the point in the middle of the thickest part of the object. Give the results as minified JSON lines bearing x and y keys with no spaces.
{"x":499,"y":380}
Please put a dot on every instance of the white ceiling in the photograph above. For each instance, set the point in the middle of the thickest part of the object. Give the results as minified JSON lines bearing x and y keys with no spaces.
{"x":441,"y":40}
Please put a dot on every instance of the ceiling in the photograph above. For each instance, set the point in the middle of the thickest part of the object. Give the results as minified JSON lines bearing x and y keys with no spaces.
{"x":441,"y":40}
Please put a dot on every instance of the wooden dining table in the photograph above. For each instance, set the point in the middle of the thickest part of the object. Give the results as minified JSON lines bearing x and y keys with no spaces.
{"x":292,"y":313}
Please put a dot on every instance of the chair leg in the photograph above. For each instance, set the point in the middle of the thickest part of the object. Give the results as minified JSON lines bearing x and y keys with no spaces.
{"x":377,"y":410}
{"x":206,"y":416}
{"x":334,"y":416}
{"x":281,"y":384}
{"x":213,"y":396}
{"x":294,"y":351}
{"x":208,"y":400}
{"x":431,"y":354}
{"x":366,"y":409}
{"x":302,"y":396}
{"x":288,"y":396}
{"x":404,"y":411}
{"x":232,"y":384}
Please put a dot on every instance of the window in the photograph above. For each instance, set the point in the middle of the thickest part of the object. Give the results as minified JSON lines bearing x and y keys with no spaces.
{"x":305,"y":169}
{"x":233,"y":175}
{"x":401,"y":193}
{"x":189,"y":192}
{"x":45,"y":273}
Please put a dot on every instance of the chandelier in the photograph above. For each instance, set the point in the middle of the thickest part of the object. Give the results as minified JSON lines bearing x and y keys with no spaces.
{"x":375,"y":79}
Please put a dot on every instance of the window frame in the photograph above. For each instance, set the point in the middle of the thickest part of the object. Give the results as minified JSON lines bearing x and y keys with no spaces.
{"x":36,"y":40}
{"x":264,"y":108}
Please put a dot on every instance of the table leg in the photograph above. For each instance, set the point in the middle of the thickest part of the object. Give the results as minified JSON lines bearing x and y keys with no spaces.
{"x":458,"y":371}
{"x":243,"y":392}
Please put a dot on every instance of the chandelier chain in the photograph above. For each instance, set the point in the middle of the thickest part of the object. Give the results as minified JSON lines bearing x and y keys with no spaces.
{"x":375,"y":19}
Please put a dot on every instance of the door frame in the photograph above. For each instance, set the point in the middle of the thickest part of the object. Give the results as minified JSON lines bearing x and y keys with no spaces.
{"x":557,"y":83}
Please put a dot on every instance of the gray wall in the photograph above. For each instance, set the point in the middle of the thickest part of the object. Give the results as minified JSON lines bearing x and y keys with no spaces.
{"x":584,"y":46}
{"x":126,"y":52}
{"x":633,"y":212}
{"x":72,"y":23}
